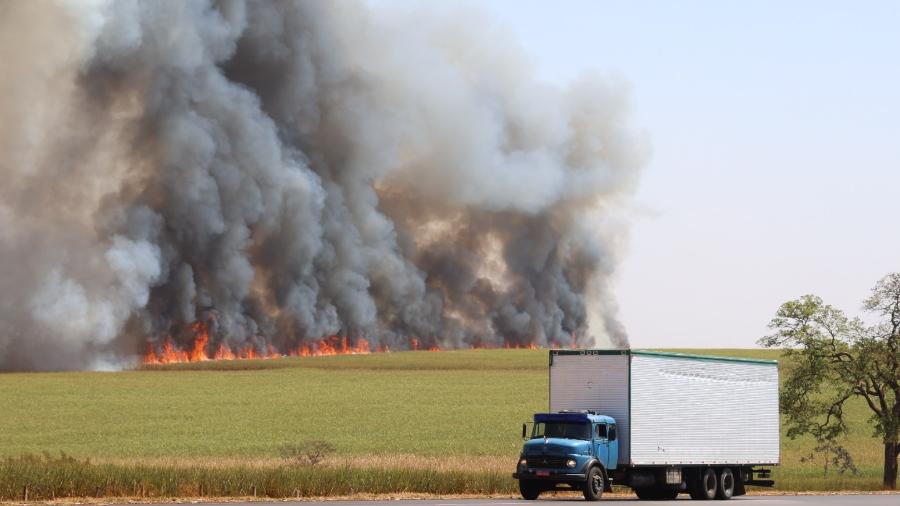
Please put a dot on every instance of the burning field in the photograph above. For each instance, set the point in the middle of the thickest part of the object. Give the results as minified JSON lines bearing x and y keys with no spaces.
{"x":267,"y":175}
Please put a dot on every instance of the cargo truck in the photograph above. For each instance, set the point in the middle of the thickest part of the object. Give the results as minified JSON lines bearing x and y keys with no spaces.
{"x":660,"y":423}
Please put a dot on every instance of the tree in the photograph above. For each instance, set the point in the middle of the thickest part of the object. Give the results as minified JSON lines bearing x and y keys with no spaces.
{"x":836,"y":358}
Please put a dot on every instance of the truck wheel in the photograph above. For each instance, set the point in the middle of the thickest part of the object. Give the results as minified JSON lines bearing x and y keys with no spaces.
{"x":529,"y":489}
{"x":707,"y":486}
{"x":593,"y":487}
{"x":726,"y":484}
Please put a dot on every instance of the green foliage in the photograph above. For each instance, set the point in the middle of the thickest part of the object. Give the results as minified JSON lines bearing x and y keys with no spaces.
{"x":811,"y":333}
{"x":835,"y":359}
{"x":832,"y":455}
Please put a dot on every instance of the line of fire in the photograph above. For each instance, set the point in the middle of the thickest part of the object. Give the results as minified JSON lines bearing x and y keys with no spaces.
{"x":200,"y":349}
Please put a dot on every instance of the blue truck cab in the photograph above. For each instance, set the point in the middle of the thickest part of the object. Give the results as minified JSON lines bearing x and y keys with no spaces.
{"x":577,"y":449}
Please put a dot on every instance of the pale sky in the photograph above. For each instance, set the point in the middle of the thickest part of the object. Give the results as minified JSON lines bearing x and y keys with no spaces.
{"x":774,"y":128}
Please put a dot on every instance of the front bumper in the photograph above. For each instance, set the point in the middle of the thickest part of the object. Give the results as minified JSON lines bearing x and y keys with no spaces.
{"x":551,"y":475}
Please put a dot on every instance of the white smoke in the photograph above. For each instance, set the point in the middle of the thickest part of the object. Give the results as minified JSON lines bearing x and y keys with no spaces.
{"x":294,"y":170}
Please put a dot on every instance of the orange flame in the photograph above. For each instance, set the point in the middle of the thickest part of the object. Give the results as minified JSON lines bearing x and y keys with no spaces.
{"x":223,"y":352}
{"x":168,"y":353}
{"x":198,"y":353}
{"x":150,"y":356}
{"x":519,"y":346}
{"x":334,"y":345}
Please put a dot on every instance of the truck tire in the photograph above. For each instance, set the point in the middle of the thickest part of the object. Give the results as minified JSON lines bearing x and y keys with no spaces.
{"x":707,"y":486}
{"x":594,"y":485}
{"x":739,"y":488}
{"x":529,"y":489}
{"x":726,"y":484}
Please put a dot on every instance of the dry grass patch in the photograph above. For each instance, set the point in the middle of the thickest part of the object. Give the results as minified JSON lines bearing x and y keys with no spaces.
{"x":398,"y":461}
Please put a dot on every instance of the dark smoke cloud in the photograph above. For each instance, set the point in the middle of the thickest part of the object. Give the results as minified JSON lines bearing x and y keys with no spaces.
{"x":293,"y":170}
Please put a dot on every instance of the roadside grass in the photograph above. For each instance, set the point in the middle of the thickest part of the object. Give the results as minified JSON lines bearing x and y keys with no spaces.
{"x":48,"y":478}
{"x":802,"y":478}
{"x":394,"y":419}
{"x":36,"y":478}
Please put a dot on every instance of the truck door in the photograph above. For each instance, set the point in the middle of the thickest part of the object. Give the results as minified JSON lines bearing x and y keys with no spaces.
{"x":601,"y":444}
{"x":612,"y":447}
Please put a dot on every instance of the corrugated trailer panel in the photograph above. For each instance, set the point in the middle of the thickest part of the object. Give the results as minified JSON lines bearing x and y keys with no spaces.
{"x":701,"y":411}
{"x":593,"y":380}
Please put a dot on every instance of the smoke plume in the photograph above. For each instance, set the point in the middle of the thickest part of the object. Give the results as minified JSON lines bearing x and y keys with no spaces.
{"x":287,"y":171}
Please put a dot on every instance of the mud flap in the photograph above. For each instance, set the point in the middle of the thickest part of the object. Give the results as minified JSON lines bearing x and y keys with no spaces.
{"x":607,"y":483}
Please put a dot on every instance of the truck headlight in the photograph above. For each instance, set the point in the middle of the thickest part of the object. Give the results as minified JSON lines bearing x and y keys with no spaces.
{"x":523,"y":463}
{"x":570,"y":463}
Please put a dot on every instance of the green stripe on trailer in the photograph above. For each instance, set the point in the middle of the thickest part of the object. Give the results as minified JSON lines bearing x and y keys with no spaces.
{"x":692,"y":356}
{"x":669,"y":354}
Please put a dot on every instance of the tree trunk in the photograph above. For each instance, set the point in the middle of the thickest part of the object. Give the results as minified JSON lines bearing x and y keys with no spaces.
{"x":891,"y":450}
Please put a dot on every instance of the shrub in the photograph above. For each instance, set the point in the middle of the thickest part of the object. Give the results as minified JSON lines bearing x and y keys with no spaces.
{"x":308,"y":453}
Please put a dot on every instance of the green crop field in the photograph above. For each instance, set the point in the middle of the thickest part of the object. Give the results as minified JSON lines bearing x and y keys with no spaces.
{"x":420,"y":403}
{"x":453,"y":412}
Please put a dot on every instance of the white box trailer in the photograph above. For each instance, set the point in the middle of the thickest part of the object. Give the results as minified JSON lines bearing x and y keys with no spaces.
{"x":673,"y":408}
{"x":661,"y":423}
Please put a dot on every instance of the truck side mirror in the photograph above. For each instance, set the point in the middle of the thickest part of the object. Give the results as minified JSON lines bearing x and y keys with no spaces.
{"x":612,"y":432}
{"x":524,"y":429}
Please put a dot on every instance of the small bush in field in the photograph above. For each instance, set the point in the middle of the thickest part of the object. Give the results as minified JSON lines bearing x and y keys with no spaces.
{"x":308,"y":453}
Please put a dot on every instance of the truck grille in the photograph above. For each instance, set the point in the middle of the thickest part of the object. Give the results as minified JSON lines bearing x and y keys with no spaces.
{"x":546,"y":461}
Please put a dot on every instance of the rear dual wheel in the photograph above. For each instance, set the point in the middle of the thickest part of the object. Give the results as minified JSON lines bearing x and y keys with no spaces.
{"x":726,"y":484}
{"x":714,"y":485}
{"x":706,"y":487}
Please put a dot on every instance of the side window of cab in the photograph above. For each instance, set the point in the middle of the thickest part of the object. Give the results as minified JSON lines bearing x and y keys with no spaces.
{"x":601,"y":432}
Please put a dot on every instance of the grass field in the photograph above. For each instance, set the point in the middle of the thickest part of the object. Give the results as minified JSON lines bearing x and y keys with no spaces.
{"x":457,"y":414}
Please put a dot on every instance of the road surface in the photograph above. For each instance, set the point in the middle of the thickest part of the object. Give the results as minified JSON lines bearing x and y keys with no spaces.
{"x":788,"y":500}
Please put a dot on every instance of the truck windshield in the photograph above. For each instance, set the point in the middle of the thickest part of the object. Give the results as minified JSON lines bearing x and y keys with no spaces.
{"x":568,"y":430}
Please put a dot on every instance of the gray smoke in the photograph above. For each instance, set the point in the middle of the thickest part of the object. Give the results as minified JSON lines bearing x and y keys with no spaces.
{"x":288,"y":171}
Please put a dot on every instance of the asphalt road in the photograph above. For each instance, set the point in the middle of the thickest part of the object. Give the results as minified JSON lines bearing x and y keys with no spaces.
{"x":827,"y":500}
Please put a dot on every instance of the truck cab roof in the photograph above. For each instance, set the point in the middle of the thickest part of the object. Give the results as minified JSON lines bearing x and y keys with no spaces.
{"x":573,"y":417}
